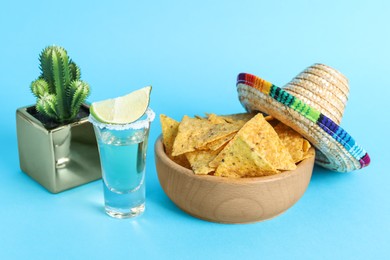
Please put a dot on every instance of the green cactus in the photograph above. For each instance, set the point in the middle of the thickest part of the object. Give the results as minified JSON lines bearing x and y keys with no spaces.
{"x":59,"y":90}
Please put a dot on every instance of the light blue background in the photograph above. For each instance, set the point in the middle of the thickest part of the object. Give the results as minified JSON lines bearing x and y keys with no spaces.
{"x":191,"y":52}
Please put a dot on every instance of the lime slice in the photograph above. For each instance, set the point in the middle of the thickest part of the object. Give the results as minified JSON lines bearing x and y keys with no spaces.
{"x":122,"y":110}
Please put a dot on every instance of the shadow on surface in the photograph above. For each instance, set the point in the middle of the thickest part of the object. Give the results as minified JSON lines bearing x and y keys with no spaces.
{"x":160,"y":198}
{"x":322,"y":174}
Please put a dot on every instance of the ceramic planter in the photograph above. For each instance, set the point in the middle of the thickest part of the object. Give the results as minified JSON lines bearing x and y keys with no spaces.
{"x":57,"y":157}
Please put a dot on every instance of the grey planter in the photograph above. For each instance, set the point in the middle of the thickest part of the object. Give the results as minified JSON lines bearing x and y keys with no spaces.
{"x":59,"y":158}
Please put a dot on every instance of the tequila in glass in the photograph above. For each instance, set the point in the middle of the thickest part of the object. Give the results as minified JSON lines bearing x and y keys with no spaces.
{"x":122,"y":150}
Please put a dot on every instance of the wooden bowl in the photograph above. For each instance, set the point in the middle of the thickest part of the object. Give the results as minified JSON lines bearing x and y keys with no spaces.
{"x":226,"y":200}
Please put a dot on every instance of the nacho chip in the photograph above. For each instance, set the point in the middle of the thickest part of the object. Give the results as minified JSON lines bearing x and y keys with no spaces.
{"x":215,"y":145}
{"x":272,"y":120}
{"x":169,"y":131}
{"x":195,"y":133}
{"x":240,"y":161}
{"x":294,"y":142}
{"x":213,"y":118}
{"x":199,"y":160}
{"x":306,"y":146}
{"x":238,"y":117}
{"x":308,"y":154}
{"x":264,"y":142}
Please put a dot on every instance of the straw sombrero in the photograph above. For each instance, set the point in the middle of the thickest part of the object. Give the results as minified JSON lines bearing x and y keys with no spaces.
{"x":312,"y":104}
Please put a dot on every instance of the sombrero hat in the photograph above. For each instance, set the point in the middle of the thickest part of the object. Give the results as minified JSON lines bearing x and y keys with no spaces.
{"x":312,"y":104}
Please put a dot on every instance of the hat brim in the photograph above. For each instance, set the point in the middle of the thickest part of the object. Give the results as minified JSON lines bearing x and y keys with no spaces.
{"x":336,"y":149}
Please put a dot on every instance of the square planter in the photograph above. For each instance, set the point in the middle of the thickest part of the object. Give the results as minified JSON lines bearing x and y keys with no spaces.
{"x":57,"y":157}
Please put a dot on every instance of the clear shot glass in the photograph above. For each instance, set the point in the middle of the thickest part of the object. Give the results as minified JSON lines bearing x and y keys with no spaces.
{"x":122,"y":150}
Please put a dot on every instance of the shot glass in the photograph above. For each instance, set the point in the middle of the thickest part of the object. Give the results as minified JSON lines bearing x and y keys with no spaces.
{"x":122,"y":150}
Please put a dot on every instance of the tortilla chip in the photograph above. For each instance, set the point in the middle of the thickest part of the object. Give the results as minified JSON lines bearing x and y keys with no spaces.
{"x":199,"y":117}
{"x":293,"y":141}
{"x":215,"y":145}
{"x":264,"y":142}
{"x":213,"y":118}
{"x":272,"y":121}
{"x":240,"y":161}
{"x":306,"y":146}
{"x":195,"y":133}
{"x":238,"y":117}
{"x":308,"y":154}
{"x":199,"y":160}
{"x":169,"y":131}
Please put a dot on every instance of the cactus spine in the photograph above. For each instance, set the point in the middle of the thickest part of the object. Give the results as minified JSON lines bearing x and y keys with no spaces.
{"x":59,"y":90}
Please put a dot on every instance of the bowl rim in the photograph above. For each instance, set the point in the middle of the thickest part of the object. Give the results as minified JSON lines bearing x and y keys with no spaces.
{"x":160,"y":152}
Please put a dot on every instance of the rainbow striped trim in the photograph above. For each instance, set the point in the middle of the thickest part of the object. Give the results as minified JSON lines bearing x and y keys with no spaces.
{"x":325,"y":123}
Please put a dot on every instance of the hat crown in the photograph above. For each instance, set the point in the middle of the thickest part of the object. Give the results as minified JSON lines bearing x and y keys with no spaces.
{"x":323,"y":88}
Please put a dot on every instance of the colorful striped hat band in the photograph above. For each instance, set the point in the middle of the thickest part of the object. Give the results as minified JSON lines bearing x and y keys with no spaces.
{"x":312,"y":104}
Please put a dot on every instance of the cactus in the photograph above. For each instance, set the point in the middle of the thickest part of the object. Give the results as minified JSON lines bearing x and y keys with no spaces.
{"x":59,"y":90}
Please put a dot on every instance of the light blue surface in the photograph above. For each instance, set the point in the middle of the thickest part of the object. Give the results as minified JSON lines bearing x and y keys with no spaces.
{"x":191,"y":53}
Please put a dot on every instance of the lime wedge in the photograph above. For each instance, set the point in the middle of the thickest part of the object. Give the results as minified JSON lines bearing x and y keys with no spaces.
{"x":122,"y":110}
